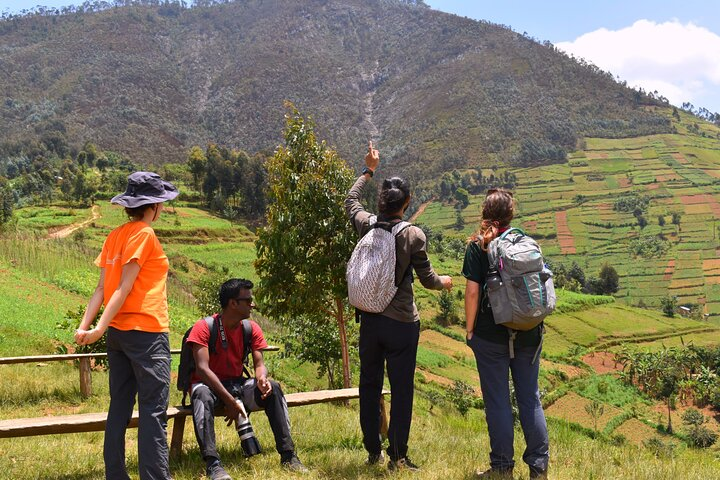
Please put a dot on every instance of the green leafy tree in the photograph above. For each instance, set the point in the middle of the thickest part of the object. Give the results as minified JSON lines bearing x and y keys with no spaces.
{"x":197,"y":163}
{"x":6,"y":201}
{"x":661,"y":220}
{"x":448,"y":309}
{"x":609,"y":280}
{"x":303,"y":249}
{"x":669,"y":305}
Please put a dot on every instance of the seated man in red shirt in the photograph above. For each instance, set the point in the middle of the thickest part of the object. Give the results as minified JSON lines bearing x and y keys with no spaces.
{"x":218,"y":379}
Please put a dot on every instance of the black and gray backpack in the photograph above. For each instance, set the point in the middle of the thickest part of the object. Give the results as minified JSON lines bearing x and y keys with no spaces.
{"x":519,"y":284}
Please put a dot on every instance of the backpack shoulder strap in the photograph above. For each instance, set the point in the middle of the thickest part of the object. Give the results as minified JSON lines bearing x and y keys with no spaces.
{"x":399,"y":227}
{"x":212,"y":326}
{"x":512,"y":229}
{"x":247,"y":345}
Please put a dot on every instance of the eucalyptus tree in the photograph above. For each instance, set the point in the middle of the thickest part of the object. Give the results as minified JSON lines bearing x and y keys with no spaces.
{"x":303,"y":249}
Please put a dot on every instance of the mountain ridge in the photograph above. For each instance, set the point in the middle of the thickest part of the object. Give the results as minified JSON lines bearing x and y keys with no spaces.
{"x":435,"y":91}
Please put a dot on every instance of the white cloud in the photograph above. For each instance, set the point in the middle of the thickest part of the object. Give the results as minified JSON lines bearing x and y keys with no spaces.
{"x":680,"y":61}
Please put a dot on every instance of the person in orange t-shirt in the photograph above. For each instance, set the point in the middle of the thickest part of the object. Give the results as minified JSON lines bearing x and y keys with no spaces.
{"x":132,"y":286}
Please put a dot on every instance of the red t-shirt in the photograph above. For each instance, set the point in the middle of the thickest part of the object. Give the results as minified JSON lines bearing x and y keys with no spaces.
{"x":226,"y":364}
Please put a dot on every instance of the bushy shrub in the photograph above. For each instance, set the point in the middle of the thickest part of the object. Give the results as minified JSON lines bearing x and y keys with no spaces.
{"x":462,"y":396}
{"x":659,"y":448}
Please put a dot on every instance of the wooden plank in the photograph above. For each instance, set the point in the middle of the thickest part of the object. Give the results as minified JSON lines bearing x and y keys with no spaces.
{"x":93,"y":422}
{"x":78,"y":356}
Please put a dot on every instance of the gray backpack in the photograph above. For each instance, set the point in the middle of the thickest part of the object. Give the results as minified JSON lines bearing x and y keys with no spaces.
{"x":370,"y":271}
{"x":519,"y":284}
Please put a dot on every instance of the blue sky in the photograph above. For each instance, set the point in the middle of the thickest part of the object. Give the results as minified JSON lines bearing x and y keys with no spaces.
{"x":672,"y":46}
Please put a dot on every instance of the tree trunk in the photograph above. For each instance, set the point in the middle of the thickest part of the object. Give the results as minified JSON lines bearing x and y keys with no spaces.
{"x":669,"y":427}
{"x":343,"y":343}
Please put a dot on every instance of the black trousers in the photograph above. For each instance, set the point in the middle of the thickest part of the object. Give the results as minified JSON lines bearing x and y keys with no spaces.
{"x":383,"y":339}
{"x":204,"y":402}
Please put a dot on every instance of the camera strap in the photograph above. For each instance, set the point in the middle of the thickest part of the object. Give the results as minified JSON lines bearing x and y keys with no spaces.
{"x":223,"y":337}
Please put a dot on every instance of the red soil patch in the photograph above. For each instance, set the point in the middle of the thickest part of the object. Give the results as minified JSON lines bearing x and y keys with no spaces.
{"x":653,"y":186}
{"x":680,"y":158}
{"x":602,"y":362}
{"x":624,"y":182}
{"x":569,"y":370}
{"x":713,"y":173}
{"x":667,"y":177}
{"x":565,"y":237}
{"x":706,"y":199}
{"x":596,"y":155}
{"x":669,"y":270}
{"x":530,"y":226}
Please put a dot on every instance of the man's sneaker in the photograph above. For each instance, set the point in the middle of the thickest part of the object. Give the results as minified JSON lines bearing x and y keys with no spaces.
{"x":402,"y":464}
{"x":217,"y":472}
{"x":292,"y":462}
{"x":495,"y":473}
{"x":375,"y":459}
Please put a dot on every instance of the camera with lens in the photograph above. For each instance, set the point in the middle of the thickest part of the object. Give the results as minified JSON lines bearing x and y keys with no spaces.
{"x":248,"y":440}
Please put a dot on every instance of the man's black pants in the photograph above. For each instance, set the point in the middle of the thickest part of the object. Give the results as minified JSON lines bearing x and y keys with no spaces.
{"x":204,"y":402}
{"x":384,"y":339}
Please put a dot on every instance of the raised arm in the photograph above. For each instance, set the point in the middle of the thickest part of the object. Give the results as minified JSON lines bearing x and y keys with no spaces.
{"x":352,"y":202}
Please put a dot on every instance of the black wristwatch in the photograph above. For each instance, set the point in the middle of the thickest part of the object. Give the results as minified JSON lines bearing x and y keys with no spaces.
{"x":368,"y":171}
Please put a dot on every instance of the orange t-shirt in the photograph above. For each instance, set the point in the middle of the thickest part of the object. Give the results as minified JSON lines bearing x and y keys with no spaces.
{"x":145,"y":307}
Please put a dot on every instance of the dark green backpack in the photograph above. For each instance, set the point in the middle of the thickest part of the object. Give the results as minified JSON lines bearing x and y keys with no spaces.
{"x":187,"y":361}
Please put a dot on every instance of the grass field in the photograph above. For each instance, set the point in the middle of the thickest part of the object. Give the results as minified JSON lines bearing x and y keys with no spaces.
{"x":41,"y":279}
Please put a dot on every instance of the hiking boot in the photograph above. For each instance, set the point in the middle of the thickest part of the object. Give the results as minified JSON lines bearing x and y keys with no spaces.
{"x":495,"y":473}
{"x":217,"y":472}
{"x":292,"y":462}
{"x":537,"y":473}
{"x":375,"y":459}
{"x":402,"y":464}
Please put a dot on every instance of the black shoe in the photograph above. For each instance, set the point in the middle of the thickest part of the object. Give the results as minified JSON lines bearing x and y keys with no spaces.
{"x":538,"y":474}
{"x":375,"y":459}
{"x":495,"y":473}
{"x":402,"y":464}
{"x":292,"y":462}
{"x":217,"y":472}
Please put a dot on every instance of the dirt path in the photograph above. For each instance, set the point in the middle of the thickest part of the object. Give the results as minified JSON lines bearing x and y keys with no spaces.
{"x":66,"y":231}
{"x":419,"y":212}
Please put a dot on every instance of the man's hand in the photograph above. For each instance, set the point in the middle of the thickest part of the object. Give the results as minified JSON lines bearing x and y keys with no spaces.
{"x":446,"y":281}
{"x":372,"y":159}
{"x":232,"y":410}
{"x":265,"y":387}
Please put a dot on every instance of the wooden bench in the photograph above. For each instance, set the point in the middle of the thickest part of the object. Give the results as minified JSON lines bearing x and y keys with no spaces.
{"x":94,"y":422}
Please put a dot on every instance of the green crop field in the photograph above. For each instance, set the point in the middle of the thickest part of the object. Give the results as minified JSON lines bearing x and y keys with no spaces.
{"x":679,"y":173}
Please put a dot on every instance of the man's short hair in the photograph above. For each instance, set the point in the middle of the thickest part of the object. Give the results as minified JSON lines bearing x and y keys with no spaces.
{"x":231,"y":289}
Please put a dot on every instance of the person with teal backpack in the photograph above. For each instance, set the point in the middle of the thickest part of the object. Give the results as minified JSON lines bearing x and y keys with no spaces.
{"x":508,"y":293}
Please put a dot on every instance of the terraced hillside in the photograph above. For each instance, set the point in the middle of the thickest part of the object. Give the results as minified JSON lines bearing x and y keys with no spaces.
{"x":570,"y":208}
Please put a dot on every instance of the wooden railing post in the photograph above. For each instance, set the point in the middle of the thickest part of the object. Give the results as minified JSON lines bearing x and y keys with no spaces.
{"x":85,"y":378}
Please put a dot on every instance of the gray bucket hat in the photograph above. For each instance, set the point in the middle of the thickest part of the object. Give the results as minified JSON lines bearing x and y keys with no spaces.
{"x":144,"y":188}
